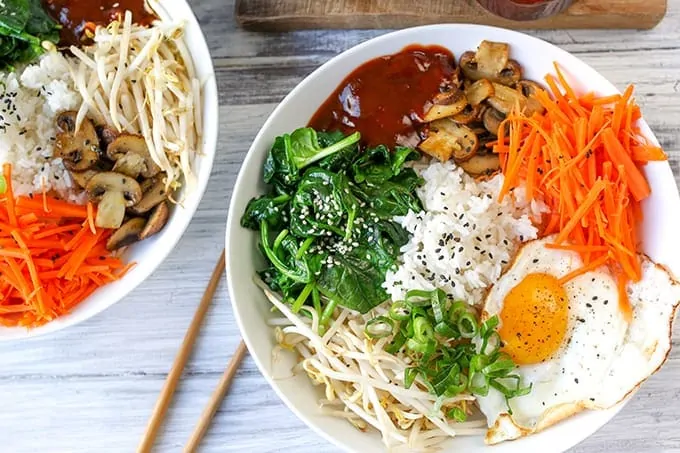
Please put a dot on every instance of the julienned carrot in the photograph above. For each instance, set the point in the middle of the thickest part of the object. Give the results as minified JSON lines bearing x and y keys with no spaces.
{"x":580,"y":213}
{"x":644,"y":154}
{"x":51,"y":257}
{"x":55,"y":208}
{"x":582,"y":158}
{"x":619,"y":156}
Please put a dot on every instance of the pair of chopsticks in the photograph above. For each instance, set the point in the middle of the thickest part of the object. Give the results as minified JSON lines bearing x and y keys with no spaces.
{"x":178,"y":366}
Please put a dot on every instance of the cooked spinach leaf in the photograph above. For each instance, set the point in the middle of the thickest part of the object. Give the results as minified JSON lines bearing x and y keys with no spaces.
{"x":330,"y":209}
{"x":353,"y":281}
{"x":393,"y":197}
{"x":293,"y":152}
{"x":323,"y":203}
{"x":379,"y":164}
{"x":14,"y":15}
{"x":272,"y":209}
{"x":24,"y":26}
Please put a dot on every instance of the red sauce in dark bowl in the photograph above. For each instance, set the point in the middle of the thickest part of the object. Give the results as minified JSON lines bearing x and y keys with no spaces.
{"x":74,"y":15}
{"x":385,"y":97}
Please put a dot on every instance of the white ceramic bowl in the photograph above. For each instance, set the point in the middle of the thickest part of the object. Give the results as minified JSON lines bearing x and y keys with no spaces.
{"x":662,"y":219}
{"x":150,"y":253}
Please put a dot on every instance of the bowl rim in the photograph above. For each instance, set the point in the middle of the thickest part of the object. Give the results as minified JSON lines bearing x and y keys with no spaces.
{"x":232,"y":219}
{"x":176,"y":10}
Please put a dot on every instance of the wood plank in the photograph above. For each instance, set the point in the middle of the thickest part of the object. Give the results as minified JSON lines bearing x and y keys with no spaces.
{"x":278,"y":15}
{"x":226,"y":39}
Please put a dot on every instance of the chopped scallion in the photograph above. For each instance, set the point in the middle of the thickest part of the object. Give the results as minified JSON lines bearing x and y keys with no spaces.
{"x":379,"y":327}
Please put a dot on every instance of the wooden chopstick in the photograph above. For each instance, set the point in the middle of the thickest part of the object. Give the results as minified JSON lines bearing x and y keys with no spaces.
{"x":216,"y":399}
{"x":180,"y":361}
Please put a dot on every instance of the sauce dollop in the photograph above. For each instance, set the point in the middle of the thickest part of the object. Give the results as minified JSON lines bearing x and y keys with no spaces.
{"x":385,"y":97}
{"x":74,"y":16}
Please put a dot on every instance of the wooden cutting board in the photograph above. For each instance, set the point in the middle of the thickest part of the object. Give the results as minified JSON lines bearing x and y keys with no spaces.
{"x":286,"y":15}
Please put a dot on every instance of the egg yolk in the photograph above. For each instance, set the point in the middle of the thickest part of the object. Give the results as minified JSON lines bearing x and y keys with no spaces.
{"x":534,"y":319}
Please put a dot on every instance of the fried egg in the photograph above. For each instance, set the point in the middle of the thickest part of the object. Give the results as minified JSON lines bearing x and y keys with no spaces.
{"x":573,"y":342}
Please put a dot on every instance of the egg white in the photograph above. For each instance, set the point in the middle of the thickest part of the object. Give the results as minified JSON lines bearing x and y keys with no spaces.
{"x":602,"y":357}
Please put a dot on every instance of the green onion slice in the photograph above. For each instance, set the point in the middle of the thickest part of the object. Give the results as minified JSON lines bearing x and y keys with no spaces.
{"x":457,"y":308}
{"x":438,"y":301}
{"x":425,"y":348}
{"x":400,"y":311}
{"x":457,"y":414}
{"x":418,"y":298}
{"x":396,"y":344}
{"x":422,"y":330}
{"x":478,"y":384}
{"x":410,"y":376}
{"x":467,"y":325}
{"x":445,"y":330}
{"x":379,"y":327}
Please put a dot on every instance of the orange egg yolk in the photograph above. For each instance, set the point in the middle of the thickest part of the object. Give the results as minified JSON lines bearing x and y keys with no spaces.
{"x":534,"y":319}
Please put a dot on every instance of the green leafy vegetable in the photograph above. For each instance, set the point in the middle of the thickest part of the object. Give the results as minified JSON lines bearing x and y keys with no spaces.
{"x":334,"y":206}
{"x":24,"y":26}
{"x":283,"y":255}
{"x":293,"y":152}
{"x":379,"y":327}
{"x":353,"y":280}
{"x":379,"y":164}
{"x":323,"y":203}
{"x":272,"y":209}
{"x":305,"y":148}
{"x":451,"y":351}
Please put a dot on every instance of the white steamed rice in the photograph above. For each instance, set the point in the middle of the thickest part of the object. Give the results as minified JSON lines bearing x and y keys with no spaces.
{"x":30,"y":99}
{"x":463,"y":239}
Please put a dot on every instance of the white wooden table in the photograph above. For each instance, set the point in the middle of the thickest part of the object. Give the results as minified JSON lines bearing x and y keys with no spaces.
{"x":92,"y":387}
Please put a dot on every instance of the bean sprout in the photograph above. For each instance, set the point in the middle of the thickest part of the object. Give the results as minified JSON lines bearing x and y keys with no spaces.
{"x":364,"y":384}
{"x":142,"y":80}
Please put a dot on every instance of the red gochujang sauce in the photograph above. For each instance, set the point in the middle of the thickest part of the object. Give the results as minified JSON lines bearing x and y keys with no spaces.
{"x":385,"y":97}
{"x":77,"y":15}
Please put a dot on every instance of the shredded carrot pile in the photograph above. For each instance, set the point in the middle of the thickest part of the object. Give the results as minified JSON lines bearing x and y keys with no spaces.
{"x":51,"y":257}
{"x":582,"y":157}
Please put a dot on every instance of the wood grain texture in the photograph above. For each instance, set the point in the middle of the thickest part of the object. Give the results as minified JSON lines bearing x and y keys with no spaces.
{"x":92,"y":387}
{"x":285,"y":15}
